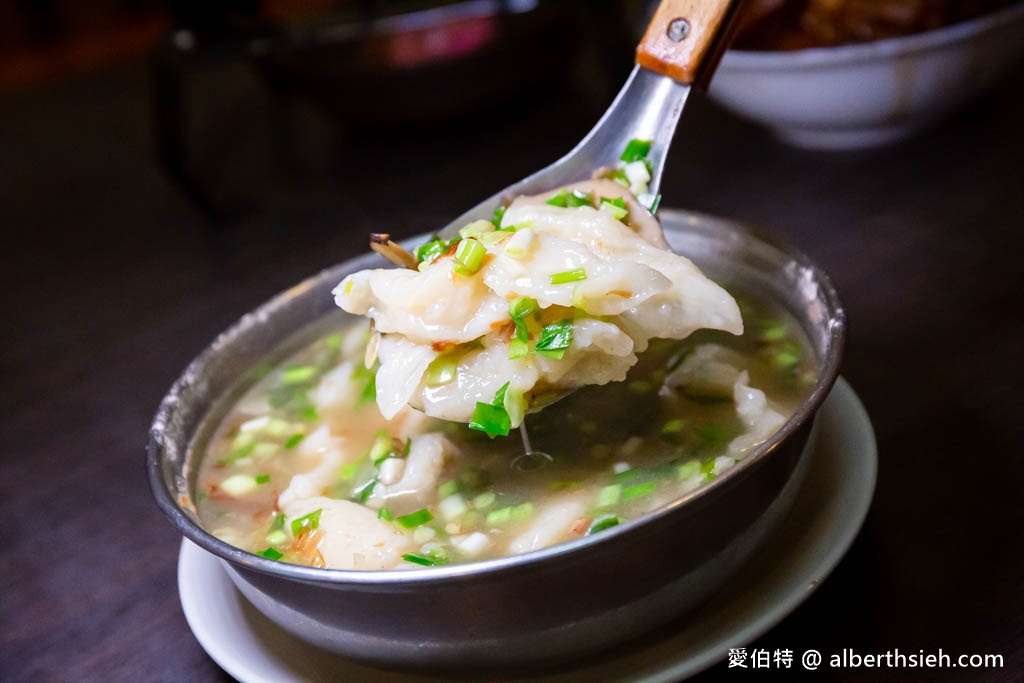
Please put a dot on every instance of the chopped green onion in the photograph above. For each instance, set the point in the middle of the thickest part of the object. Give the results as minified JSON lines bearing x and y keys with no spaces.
{"x":574,"y":275}
{"x":499,"y":213}
{"x":707,"y":469}
{"x":276,"y":537}
{"x":650,"y":201}
{"x":310,"y":414}
{"x":452,"y":507}
{"x":673,"y":426}
{"x":636,"y":150}
{"x":415,"y":519}
{"x":788,"y":356}
{"x":609,"y":495}
{"x":385,"y":514}
{"x":477,"y":228}
{"x":501,"y":516}
{"x":293,"y":441}
{"x":333,"y":341}
{"x":555,"y":339}
{"x":348,"y":471}
{"x":368,"y":378}
{"x":424,"y":560}
{"x":238,"y":485}
{"x":448,"y":488}
{"x":363,"y":492}
{"x":238,"y":454}
{"x":298,"y":374}
{"x":519,"y":244}
{"x":499,"y":395}
{"x":425,"y":253}
{"x":382,"y":447}
{"x":470,"y":256}
{"x":688,"y":470}
{"x":310,"y":521}
{"x":491,"y":419}
{"x":262,"y":478}
{"x":603,"y":522}
{"x":522,"y":511}
{"x":617,"y":206}
{"x":443,"y":369}
{"x":514,"y":404}
{"x":513,"y":513}
{"x":638,"y":490}
{"x":484,"y":500}
{"x":517,"y":348}
{"x":518,"y":309}
{"x":271,"y":553}
{"x":561,"y":198}
{"x":578,"y":198}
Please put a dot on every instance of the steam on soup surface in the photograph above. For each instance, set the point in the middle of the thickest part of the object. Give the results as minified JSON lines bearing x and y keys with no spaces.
{"x":304,"y":468}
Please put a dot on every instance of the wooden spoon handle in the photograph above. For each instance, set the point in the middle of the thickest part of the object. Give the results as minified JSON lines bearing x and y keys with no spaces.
{"x":686,"y":38}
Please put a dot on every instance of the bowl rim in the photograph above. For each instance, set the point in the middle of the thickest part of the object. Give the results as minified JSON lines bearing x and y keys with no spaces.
{"x":934,"y":39}
{"x":167,"y":500}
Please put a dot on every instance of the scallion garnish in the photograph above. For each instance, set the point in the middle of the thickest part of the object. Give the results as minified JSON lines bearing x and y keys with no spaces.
{"x":617,"y":206}
{"x":650,"y":201}
{"x":431,"y":250}
{"x":673,"y":426}
{"x":688,"y":469}
{"x":469,"y":256}
{"x":499,"y":213}
{"x":262,"y":478}
{"x":555,"y":339}
{"x":239,"y":453}
{"x":578,"y":198}
{"x":638,"y":490}
{"x":560,"y":198}
{"x":294,"y":441}
{"x":385,"y":514}
{"x":603,"y":522}
{"x":298,"y":374}
{"x":609,"y":495}
{"x":636,"y":150}
{"x":310,"y":521}
{"x":484,"y":500}
{"x":574,"y":275}
{"x":362,"y":493}
{"x":490,"y":419}
{"x":448,"y":488}
{"x":271,"y":553}
{"x":425,"y":560}
{"x":367,"y":377}
{"x":415,"y":519}
{"x":518,"y":309}
{"x":517,"y":348}
{"x":493,"y":418}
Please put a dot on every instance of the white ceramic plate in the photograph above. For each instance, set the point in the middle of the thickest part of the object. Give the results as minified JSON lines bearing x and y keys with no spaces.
{"x":826,"y":517}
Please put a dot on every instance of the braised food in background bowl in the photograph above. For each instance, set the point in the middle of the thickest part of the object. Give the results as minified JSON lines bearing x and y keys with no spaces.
{"x":860,"y":74}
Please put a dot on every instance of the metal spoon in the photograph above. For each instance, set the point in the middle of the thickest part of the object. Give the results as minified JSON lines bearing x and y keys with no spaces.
{"x":682,"y":46}
{"x":680,"y":49}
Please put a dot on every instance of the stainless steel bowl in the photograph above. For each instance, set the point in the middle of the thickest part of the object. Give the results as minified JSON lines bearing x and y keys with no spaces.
{"x":553,"y":604}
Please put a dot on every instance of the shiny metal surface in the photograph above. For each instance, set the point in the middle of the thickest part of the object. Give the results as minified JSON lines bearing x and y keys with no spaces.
{"x":647,"y":107}
{"x":552,"y":604}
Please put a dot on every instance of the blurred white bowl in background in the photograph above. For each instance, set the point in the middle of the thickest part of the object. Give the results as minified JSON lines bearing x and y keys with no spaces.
{"x":869,"y":94}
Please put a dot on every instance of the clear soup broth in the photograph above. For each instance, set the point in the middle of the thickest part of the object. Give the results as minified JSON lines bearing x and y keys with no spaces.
{"x":304,"y":469}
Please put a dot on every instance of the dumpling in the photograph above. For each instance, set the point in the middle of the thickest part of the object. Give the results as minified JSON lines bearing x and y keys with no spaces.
{"x":553,"y":298}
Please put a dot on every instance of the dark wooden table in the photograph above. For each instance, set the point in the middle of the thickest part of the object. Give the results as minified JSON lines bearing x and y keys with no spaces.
{"x":112,"y":282}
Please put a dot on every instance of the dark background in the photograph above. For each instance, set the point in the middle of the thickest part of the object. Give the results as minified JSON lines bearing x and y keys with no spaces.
{"x":113,"y":280}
